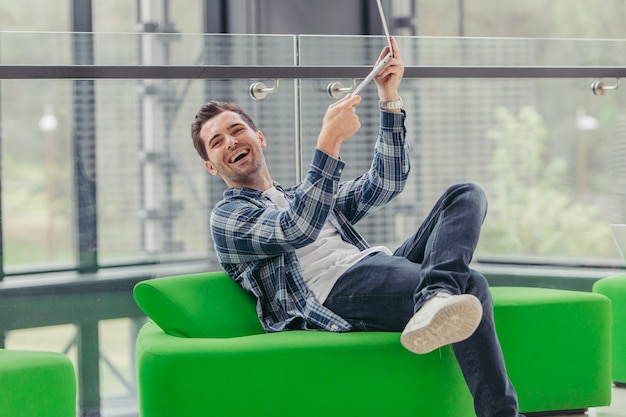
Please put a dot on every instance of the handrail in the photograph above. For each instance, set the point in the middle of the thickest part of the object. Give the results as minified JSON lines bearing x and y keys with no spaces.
{"x":224,"y":72}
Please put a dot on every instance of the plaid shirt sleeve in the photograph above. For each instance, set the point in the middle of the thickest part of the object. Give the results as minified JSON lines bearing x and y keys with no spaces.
{"x":387,"y":175}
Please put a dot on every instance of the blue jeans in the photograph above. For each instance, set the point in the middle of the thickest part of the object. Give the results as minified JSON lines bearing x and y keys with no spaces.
{"x":381,"y":293}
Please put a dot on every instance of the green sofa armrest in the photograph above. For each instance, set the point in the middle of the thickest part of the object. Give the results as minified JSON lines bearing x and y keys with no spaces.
{"x":187,"y":305}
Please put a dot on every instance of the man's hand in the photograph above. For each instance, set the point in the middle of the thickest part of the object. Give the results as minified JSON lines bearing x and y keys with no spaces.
{"x":388,"y":80}
{"x":340,"y":124}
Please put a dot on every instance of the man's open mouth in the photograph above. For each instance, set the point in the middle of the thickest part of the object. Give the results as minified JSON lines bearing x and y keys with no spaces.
{"x":238,"y":156}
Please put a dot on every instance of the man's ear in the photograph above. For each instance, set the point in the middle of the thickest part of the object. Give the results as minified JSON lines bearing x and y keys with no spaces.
{"x":261,"y":139}
{"x":211,"y":168}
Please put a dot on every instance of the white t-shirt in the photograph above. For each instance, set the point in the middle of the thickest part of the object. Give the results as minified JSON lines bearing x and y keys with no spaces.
{"x":326,"y":259}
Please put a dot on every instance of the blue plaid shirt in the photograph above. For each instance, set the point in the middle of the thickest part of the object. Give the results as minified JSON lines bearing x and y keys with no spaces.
{"x":256,"y":241}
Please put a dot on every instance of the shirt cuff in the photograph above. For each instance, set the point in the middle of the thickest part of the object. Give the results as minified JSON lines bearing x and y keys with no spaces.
{"x":328,"y":166}
{"x":392,"y":120}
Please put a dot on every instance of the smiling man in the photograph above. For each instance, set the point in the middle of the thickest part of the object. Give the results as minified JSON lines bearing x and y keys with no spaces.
{"x":296,"y":249}
{"x":236,"y":150}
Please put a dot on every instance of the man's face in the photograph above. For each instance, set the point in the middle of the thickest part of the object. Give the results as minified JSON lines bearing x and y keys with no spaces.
{"x":235,"y":151}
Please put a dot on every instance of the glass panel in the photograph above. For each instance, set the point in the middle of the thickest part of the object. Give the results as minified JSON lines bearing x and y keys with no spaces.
{"x":151,"y":201}
{"x":154,"y":194}
{"x":37,"y":194}
{"x":546,"y":152}
{"x":549,"y":153}
{"x":20,"y":48}
{"x":454,"y":51}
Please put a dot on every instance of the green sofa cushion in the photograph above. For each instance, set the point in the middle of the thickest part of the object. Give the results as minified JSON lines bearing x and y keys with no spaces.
{"x":615,"y":289}
{"x":36,"y":384}
{"x":185,"y":306}
{"x":556,"y":345}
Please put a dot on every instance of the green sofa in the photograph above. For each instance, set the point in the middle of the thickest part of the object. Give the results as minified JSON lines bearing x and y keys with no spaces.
{"x":615,"y":288}
{"x":205,"y":354}
{"x":36,"y":384}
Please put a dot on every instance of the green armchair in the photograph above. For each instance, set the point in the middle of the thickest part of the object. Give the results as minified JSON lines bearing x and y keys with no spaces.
{"x":210,"y":357}
{"x":206,"y":354}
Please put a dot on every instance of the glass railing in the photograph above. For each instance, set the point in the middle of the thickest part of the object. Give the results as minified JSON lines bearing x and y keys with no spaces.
{"x":128,"y":49}
{"x":522,"y":122}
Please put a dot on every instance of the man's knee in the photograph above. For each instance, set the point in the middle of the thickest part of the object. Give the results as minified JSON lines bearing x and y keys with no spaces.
{"x":472,"y":193}
{"x":479,"y":287}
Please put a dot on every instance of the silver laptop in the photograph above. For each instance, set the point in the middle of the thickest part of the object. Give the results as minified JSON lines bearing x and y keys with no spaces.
{"x":383,"y":63}
{"x":619,"y":234}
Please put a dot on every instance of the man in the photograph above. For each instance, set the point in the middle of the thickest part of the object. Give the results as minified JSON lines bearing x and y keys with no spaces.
{"x":296,"y":250}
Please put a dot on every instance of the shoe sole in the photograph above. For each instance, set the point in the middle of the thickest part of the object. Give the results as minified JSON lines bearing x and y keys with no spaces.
{"x":453,"y":322}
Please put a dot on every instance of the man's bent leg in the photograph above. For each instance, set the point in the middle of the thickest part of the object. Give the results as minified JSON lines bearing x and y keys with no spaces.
{"x":445,"y":242}
{"x":444,"y":245}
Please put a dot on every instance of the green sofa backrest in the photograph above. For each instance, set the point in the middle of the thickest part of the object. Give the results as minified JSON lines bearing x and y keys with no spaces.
{"x":209,"y":305}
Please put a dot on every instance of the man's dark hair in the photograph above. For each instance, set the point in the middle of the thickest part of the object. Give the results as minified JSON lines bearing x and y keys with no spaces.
{"x":209,"y":111}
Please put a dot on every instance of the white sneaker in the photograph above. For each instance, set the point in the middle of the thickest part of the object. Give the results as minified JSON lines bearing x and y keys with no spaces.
{"x":442,"y":320}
